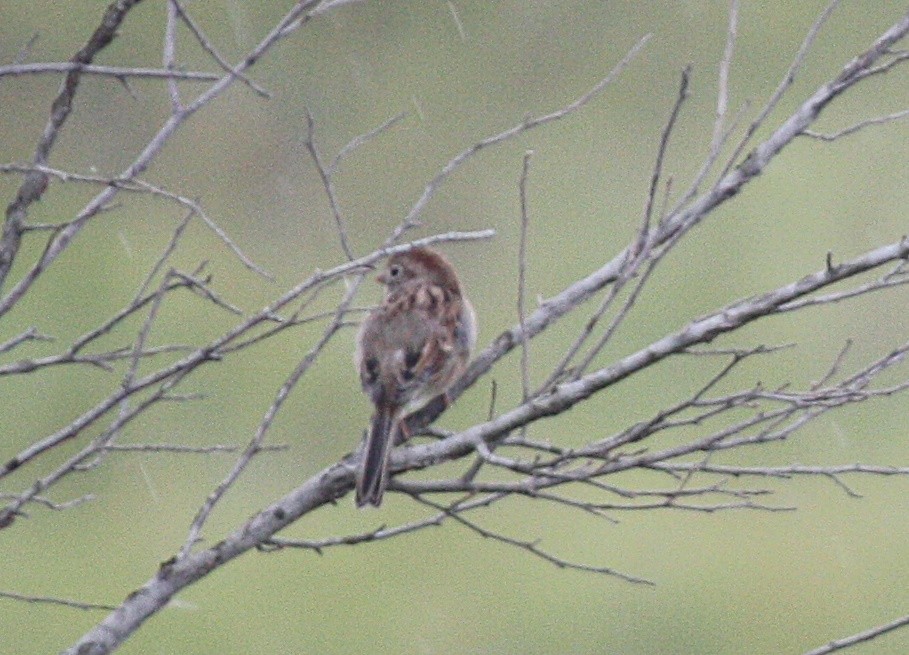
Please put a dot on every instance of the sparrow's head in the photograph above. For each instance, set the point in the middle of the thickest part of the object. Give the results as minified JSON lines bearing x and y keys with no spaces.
{"x":420,"y":264}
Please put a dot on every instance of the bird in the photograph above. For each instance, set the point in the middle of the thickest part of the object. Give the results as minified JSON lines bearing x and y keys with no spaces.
{"x":409,"y":350}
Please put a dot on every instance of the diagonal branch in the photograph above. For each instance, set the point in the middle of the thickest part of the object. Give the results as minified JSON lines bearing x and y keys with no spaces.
{"x":861,"y":637}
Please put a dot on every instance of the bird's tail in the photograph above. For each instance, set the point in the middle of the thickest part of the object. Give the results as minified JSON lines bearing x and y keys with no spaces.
{"x":374,"y":468}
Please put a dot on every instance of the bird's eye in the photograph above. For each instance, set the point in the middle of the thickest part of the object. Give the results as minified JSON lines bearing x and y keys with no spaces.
{"x":394,"y":271}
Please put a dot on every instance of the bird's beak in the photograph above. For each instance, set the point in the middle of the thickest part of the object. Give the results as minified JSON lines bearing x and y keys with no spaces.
{"x":382,"y":278}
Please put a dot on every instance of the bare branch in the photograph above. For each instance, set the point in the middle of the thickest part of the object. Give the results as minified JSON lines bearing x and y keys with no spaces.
{"x":51,"y":504}
{"x":880,"y":120}
{"x":138,"y":186}
{"x":522,"y":275}
{"x":379,"y":534}
{"x":362,"y":139}
{"x":722,"y":93}
{"x":786,"y":471}
{"x":867,"y":635}
{"x":31,"y":334}
{"x":48,"y":600}
{"x":102,"y":361}
{"x":661,"y":153}
{"x":529,"y":546}
{"x":212,"y":51}
{"x":179,"y":449}
{"x":170,"y":54}
{"x":325,"y":176}
{"x":118,"y":72}
{"x":640,"y":251}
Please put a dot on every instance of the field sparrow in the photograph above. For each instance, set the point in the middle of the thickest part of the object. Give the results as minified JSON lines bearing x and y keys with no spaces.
{"x":409,"y":350}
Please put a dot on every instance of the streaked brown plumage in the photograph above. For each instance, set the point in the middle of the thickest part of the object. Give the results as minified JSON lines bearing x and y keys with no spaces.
{"x":409,"y":350}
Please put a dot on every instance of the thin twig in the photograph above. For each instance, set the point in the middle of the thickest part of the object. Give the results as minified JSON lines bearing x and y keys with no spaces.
{"x":522,"y":276}
{"x":31,"y":334}
{"x":137,"y":186}
{"x":529,"y":546}
{"x":785,"y":83}
{"x":213,"y":52}
{"x":325,"y":176}
{"x":49,"y":600}
{"x":362,"y":139}
{"x":880,"y":120}
{"x":170,"y":54}
{"x":379,"y":534}
{"x":866,"y":635}
{"x":722,"y":91}
{"x":663,"y":147}
{"x":653,"y":259}
{"x":118,"y":72}
{"x":180,"y":449}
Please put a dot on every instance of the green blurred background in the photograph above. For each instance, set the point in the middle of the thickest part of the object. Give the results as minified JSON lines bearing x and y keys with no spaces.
{"x":737,"y":582}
